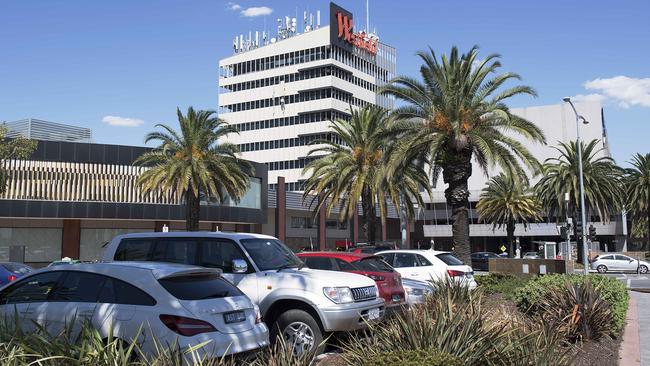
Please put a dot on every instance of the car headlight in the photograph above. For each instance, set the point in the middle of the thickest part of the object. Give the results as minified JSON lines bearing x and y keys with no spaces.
{"x":339,"y":295}
{"x":414,"y":291}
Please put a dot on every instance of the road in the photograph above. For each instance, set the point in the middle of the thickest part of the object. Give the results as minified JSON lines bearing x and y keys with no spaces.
{"x":633,"y":281}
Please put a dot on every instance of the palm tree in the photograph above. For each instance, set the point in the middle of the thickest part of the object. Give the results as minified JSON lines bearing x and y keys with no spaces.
{"x":602,"y":181}
{"x":457,"y":112}
{"x":505,"y":201}
{"x":194,"y":163}
{"x":352,"y":167}
{"x":637,"y":187}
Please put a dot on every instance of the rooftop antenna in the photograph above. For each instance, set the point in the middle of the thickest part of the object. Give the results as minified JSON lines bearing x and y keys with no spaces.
{"x":367,"y":17}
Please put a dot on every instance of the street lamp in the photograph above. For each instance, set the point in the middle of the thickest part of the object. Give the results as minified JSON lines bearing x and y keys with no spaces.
{"x":585,"y":252}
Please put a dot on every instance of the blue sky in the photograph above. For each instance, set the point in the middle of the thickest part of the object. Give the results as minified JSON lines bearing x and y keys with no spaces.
{"x":133,"y":62}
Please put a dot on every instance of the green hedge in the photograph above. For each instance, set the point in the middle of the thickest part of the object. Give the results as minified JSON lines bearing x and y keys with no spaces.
{"x":612,"y":290}
{"x":505,"y":284}
{"x":409,"y":357}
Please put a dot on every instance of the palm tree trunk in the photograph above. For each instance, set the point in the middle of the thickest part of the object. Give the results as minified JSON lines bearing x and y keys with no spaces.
{"x":648,"y":227}
{"x":192,"y":211}
{"x":369,"y":215}
{"x":455,"y":173}
{"x":510,"y":232}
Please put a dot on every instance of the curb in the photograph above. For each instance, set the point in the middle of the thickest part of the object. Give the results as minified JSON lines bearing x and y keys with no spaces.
{"x":629,"y":354}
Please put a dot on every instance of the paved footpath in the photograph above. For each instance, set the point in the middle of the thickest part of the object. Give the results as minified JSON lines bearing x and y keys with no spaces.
{"x":643,"y":311}
{"x":635,"y":348}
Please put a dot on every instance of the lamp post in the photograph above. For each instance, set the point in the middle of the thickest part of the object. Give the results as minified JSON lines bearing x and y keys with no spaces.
{"x":585,"y":252}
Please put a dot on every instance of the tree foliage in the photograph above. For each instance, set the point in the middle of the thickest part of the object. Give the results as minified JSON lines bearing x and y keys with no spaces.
{"x":17,"y":148}
{"x":193,"y":162}
{"x":455,"y":113}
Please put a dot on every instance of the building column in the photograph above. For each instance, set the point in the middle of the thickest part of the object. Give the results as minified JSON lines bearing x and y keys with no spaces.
{"x":322,"y":229}
{"x":70,"y":245}
{"x":408,"y":234}
{"x":281,"y":210}
{"x":355,"y":225}
{"x":158,"y":226}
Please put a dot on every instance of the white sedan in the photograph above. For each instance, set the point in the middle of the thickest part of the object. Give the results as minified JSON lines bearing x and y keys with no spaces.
{"x":429,"y":265}
{"x":176,"y":304}
{"x":618,"y":263}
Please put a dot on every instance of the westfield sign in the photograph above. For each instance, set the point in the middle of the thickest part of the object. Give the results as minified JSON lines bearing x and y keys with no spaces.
{"x":344,"y":31}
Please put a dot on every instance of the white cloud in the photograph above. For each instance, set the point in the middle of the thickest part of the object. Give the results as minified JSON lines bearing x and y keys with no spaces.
{"x":256,"y":11}
{"x":595,"y":97}
{"x":623,"y":90}
{"x":233,"y":6}
{"x":122,"y":122}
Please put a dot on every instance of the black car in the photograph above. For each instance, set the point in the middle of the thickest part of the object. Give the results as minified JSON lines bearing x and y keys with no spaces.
{"x":480,"y":260}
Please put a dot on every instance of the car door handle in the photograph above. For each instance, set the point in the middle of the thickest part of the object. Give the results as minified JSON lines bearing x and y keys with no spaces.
{"x":86,"y":313}
{"x":414,"y":274}
{"x":27,"y":311}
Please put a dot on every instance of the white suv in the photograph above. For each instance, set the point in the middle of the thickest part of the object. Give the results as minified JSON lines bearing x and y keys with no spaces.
{"x":299,"y":303}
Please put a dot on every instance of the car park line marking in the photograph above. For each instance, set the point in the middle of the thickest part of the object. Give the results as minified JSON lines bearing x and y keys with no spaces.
{"x":629,"y":282}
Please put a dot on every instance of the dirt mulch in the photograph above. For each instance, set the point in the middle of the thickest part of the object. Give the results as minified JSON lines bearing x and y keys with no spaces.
{"x":602,"y":353}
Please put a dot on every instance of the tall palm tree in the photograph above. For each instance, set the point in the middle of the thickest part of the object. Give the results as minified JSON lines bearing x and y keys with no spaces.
{"x":505,"y":201}
{"x":193,"y":163}
{"x":457,"y":112}
{"x":637,"y":187}
{"x":352,"y":168}
{"x":602,"y":181}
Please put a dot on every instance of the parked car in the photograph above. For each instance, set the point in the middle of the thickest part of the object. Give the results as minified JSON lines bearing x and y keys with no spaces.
{"x":480,"y":260}
{"x":388,"y":280}
{"x":416,"y":291}
{"x":63,"y":262}
{"x":175,"y":303}
{"x":427,"y":265}
{"x":10,"y":271}
{"x":370,"y":249}
{"x":618,"y":263}
{"x":298,"y":303}
{"x":531,"y":255}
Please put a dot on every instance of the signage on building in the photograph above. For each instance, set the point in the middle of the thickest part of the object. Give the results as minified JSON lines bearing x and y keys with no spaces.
{"x":342,"y":32}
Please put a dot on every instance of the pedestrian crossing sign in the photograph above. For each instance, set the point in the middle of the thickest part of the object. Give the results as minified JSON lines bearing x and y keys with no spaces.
{"x":503,"y":248}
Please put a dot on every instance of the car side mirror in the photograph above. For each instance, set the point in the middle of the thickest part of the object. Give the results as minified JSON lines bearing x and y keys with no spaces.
{"x":239,"y":266}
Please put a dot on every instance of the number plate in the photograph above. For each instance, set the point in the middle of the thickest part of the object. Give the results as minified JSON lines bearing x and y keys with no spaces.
{"x":234,"y":317}
{"x":373,"y":314}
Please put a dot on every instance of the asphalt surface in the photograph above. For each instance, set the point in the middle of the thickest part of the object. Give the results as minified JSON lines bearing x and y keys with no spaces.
{"x":633,"y":281}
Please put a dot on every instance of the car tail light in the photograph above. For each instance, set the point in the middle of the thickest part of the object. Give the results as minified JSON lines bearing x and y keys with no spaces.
{"x":11,"y":277}
{"x":376,"y":278}
{"x":455,"y":273}
{"x":186,"y":326}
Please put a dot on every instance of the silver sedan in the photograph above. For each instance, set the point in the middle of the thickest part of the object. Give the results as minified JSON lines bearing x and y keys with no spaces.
{"x":618,"y":263}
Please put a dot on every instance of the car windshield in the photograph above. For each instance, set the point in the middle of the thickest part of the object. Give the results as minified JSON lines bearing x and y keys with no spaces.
{"x":269,"y":254}
{"x":373,"y":264}
{"x":17,"y":268}
{"x":449,"y":259}
{"x":199,"y":287}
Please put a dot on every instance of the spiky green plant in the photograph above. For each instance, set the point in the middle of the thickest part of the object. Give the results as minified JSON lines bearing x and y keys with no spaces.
{"x":505,"y":201}
{"x":193,"y":162}
{"x":637,"y":188}
{"x":457,"y":113}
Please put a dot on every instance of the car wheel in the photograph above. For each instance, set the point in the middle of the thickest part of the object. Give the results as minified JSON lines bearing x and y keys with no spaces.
{"x":300,"y":331}
{"x":602,"y":268}
{"x":643,"y":269}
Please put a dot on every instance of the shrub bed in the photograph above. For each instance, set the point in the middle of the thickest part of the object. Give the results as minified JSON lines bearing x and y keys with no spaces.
{"x":505,"y":284}
{"x":612,"y":291}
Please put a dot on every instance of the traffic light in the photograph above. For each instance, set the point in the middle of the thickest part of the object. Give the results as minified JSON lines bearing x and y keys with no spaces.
{"x":592,"y":232}
{"x":579,"y":229}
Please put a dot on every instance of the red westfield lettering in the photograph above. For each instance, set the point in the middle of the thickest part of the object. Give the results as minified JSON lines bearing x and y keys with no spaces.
{"x":359,"y":40}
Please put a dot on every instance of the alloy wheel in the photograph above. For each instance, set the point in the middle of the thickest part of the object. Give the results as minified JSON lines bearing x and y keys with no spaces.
{"x":300,"y":337}
{"x":602,"y":268}
{"x":643,"y":269}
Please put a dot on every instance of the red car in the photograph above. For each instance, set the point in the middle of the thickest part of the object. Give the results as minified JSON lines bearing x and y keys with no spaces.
{"x":388,"y":280}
